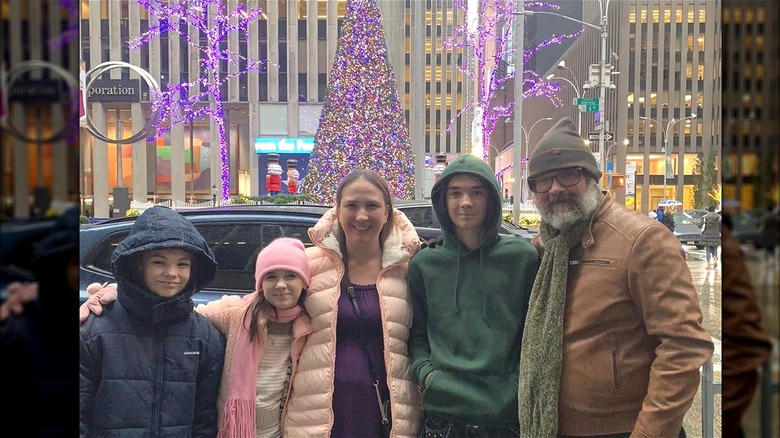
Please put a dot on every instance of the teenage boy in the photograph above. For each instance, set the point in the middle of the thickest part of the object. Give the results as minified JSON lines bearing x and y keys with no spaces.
{"x":470,"y":296}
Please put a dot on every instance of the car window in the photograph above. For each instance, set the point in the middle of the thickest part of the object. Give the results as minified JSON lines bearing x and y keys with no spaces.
{"x":235,"y":247}
{"x":681,"y":219}
{"x":419,"y":216}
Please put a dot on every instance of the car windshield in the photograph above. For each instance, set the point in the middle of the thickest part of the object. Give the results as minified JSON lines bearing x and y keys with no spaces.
{"x":681,"y":219}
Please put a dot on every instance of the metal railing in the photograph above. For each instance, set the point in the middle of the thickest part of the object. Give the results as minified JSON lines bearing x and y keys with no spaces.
{"x":768,"y":391}
{"x":709,"y":387}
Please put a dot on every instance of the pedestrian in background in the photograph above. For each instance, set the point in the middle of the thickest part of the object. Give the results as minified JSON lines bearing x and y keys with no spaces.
{"x":353,"y":373}
{"x":710,"y":236}
{"x":668,"y":218}
{"x":470,"y":295}
{"x":660,"y":214}
{"x":150,"y":365}
{"x":613,"y":339}
{"x":38,"y":362}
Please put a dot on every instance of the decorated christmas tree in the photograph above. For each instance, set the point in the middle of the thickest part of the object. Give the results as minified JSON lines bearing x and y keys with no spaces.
{"x":362,"y":123}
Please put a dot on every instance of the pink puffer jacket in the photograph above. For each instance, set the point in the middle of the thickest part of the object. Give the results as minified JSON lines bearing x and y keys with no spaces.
{"x":309,"y":411}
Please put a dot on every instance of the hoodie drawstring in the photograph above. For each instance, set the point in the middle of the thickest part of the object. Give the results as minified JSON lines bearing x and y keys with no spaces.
{"x":482,"y":290}
{"x":457,"y":277}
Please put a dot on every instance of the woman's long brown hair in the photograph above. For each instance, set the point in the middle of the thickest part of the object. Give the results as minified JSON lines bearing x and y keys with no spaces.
{"x":377,"y":181}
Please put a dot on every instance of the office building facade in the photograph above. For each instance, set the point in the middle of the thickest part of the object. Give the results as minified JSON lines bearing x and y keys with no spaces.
{"x":668,"y":55}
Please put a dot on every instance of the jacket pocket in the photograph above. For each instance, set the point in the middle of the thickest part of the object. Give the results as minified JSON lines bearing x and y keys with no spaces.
{"x":615,"y":369}
{"x":593,"y":262}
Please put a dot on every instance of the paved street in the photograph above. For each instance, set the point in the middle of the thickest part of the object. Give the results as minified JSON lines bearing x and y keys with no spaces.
{"x":708,"y":285}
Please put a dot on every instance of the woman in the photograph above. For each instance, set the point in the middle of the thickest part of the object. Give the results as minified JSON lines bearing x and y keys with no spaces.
{"x":362,"y":243}
{"x":710,"y":236}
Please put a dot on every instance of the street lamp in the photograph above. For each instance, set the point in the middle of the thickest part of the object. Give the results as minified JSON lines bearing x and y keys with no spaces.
{"x":214,"y":195}
{"x":523,"y":158}
{"x":578,"y":94}
{"x":614,"y":143}
{"x":665,"y":133}
{"x":603,"y":83}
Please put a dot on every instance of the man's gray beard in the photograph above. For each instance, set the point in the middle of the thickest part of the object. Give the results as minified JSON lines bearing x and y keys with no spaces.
{"x":566,"y":209}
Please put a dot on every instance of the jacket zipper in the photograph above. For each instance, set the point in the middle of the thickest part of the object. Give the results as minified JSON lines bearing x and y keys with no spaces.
{"x":157,"y":384}
{"x":615,"y":374}
{"x":589,"y":262}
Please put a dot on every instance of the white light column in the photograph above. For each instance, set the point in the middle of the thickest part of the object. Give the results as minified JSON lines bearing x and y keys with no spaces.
{"x":518,"y":40}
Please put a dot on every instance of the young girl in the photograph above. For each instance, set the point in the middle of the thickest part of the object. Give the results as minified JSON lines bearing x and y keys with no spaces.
{"x":266,"y":331}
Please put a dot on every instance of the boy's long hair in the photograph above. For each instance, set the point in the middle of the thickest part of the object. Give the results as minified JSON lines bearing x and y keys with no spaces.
{"x":261,"y":308}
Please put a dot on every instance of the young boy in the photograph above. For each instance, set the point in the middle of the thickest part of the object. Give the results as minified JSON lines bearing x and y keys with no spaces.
{"x":470,"y":296}
{"x":150,"y":365}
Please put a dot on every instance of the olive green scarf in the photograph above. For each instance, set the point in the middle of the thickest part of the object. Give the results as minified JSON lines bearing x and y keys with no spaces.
{"x":542,"y":348}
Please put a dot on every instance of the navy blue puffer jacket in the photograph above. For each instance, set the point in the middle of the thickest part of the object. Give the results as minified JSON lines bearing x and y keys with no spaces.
{"x":151,"y":366}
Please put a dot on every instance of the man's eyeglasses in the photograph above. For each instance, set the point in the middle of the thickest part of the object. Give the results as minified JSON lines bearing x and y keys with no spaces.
{"x":567,"y":178}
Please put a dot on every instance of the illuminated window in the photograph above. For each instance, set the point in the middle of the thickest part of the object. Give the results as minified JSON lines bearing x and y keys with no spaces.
{"x":759,"y":43}
{"x":655,"y":15}
{"x":726,"y":15}
{"x":749,"y":15}
{"x":690,"y":16}
{"x":700,"y":72}
{"x":667,"y":15}
{"x":700,"y":40}
{"x":737,"y":15}
{"x":690,"y":43}
{"x":632,"y":17}
{"x":702,"y":16}
{"x":689,"y":71}
{"x":678,"y":16}
{"x":760,"y":15}
{"x":643,"y":16}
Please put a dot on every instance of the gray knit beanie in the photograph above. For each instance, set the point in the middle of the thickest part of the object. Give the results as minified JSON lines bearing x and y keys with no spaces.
{"x":562,"y":148}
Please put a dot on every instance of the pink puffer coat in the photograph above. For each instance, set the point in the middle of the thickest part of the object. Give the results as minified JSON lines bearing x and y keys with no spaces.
{"x":309,"y":411}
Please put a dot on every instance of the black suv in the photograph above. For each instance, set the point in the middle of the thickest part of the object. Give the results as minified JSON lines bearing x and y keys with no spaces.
{"x":236,"y":234}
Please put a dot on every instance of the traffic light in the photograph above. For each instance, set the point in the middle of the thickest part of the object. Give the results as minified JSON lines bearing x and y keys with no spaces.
{"x":613,"y":181}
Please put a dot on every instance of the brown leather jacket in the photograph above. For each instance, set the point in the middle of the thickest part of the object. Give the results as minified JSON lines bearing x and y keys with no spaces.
{"x":745,"y":344}
{"x":633,"y":339}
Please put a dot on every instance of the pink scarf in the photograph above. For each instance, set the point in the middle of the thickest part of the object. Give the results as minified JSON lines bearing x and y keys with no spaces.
{"x":238,"y":414}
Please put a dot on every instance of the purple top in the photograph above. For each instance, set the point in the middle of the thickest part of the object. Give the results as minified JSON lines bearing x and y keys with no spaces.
{"x":355,"y":407}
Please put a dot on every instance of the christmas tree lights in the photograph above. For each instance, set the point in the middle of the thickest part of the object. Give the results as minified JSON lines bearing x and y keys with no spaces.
{"x":362,"y":124}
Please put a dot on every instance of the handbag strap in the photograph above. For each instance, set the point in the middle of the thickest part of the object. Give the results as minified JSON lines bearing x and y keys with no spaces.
{"x":353,"y":299}
{"x":371,"y":368}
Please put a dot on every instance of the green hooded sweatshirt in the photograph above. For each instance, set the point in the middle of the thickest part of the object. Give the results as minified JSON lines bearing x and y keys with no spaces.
{"x":469,"y":311}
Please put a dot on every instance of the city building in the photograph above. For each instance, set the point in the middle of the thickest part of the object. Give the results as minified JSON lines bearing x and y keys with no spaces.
{"x":280,"y":104}
{"x":39,"y":156}
{"x":665,"y":58}
{"x":751,"y":73}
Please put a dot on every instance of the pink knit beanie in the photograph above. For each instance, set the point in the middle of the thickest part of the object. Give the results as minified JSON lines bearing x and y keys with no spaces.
{"x":282,"y":253}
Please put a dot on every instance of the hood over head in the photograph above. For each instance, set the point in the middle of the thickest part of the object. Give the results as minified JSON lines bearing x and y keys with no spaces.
{"x":161,"y":228}
{"x":468,"y":165}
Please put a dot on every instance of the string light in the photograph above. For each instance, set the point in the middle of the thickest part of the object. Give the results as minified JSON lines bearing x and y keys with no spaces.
{"x":362,"y":123}
{"x":494,"y":29}
{"x":184,"y":102}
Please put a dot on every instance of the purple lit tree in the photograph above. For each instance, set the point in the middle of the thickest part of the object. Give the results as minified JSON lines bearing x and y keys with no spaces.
{"x":362,"y":124}
{"x":182,"y":102}
{"x":488,"y":38}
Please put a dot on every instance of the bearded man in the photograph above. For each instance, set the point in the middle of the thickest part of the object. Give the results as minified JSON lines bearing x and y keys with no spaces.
{"x":613,"y":338}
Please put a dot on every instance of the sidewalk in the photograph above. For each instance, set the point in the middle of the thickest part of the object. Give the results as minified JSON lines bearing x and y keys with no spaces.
{"x":708,"y":287}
